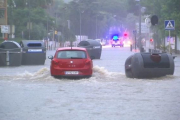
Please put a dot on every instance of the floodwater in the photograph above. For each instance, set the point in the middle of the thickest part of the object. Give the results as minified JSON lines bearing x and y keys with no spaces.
{"x":30,"y":93}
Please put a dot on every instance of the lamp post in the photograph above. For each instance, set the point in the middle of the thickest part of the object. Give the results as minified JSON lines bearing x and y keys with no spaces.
{"x":4,"y":5}
{"x":12,"y":27}
{"x":46,"y":23}
{"x":29,"y":25}
{"x":139,"y":10}
{"x":96,"y":26}
{"x":96,"y":4}
{"x":63,"y":31}
{"x":46,"y":39}
{"x":53,"y":35}
{"x":80,"y":23}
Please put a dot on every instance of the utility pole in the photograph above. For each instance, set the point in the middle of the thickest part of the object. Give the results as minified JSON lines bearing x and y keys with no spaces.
{"x":96,"y":26}
{"x":139,"y":40}
{"x":29,"y":20}
{"x":140,"y":45}
{"x":80,"y":23}
{"x":4,"y":20}
{"x":29,"y":24}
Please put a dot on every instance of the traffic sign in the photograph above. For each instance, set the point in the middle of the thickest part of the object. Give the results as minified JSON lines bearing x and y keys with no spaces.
{"x":169,"y":24}
{"x":5,"y":29}
{"x":144,"y":28}
{"x":148,"y":22}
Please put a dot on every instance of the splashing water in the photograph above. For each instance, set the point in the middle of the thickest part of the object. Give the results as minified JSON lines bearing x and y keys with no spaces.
{"x":99,"y":74}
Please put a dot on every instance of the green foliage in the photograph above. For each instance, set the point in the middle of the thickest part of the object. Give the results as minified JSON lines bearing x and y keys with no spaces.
{"x":133,"y":7}
{"x":95,"y":16}
{"x":31,"y":12}
{"x":37,"y":32}
{"x":165,"y":10}
{"x":166,"y":48}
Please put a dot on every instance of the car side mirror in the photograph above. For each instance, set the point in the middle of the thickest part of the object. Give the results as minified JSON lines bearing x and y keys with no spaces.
{"x":50,"y":57}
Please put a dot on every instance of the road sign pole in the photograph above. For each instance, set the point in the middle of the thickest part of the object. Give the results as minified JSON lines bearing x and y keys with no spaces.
{"x":169,"y":41}
{"x":169,"y":25}
{"x":135,"y":42}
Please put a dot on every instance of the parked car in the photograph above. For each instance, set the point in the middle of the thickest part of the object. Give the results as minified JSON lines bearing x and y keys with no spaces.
{"x":71,"y":62}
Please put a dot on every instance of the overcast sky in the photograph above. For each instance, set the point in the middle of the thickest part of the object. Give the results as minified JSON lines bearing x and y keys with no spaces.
{"x":67,"y":0}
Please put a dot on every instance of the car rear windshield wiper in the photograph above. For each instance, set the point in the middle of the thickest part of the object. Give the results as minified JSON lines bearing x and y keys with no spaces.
{"x":76,"y":58}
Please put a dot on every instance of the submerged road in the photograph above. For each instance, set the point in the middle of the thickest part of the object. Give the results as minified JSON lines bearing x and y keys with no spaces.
{"x":30,"y":93}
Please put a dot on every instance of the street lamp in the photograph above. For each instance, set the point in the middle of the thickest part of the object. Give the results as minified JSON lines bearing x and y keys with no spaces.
{"x":80,"y":23}
{"x":29,"y":25}
{"x":140,"y":9}
{"x":97,"y":4}
{"x":63,"y":31}
{"x":97,"y":15}
{"x":96,"y":26}
{"x":12,"y":28}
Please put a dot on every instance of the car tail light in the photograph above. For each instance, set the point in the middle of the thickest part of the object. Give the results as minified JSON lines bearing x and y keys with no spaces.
{"x":88,"y":63}
{"x":55,"y":63}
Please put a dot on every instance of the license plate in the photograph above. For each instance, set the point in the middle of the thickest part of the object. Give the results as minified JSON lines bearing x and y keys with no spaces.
{"x":95,"y":47}
{"x":34,"y":50}
{"x":71,"y":72}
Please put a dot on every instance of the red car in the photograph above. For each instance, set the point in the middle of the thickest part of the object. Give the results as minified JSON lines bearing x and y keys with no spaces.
{"x":71,"y":62}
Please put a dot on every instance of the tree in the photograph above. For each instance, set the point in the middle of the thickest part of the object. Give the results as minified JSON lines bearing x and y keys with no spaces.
{"x":22,"y":13}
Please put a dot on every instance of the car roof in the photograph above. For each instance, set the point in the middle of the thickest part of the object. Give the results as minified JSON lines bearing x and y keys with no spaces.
{"x":73,"y":48}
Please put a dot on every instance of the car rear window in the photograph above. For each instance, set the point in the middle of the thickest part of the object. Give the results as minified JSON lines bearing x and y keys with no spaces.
{"x":72,"y":54}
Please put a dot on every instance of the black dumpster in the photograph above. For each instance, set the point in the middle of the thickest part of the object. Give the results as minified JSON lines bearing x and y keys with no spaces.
{"x":10,"y":53}
{"x":93,"y":47}
{"x":34,"y":52}
{"x":147,"y":65}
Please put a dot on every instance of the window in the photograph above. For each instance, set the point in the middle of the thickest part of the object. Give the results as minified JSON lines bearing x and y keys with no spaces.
{"x":73,"y":54}
{"x":34,"y":45}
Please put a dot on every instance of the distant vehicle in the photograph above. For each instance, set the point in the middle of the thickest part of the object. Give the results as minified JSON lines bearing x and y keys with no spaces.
{"x":127,"y":42}
{"x":116,"y":41}
{"x":71,"y":62}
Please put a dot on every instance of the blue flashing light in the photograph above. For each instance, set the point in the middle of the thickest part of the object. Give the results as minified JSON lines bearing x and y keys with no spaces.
{"x":115,"y":37}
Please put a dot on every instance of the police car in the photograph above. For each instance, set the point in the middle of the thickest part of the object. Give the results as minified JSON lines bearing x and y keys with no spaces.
{"x":116,"y":41}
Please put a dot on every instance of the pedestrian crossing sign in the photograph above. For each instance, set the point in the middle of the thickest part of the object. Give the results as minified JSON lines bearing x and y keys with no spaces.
{"x":169,"y":24}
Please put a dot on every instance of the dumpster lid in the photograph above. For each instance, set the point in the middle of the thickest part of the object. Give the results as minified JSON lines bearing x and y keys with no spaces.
{"x":32,"y":43}
{"x":156,"y":60}
{"x":88,"y":42}
{"x":9,"y":45}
